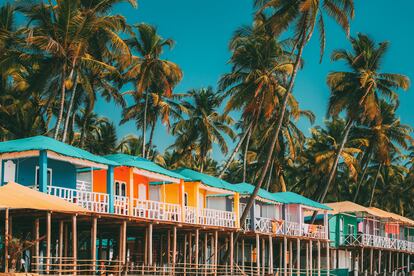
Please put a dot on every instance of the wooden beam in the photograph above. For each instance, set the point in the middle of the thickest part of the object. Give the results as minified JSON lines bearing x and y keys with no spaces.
{"x":48,"y":239}
{"x":94,"y":231}
{"x":298,"y":257}
{"x":258,"y":254}
{"x":197,"y":240}
{"x":150,"y":244}
{"x":6,"y":241}
{"x":74,"y":243}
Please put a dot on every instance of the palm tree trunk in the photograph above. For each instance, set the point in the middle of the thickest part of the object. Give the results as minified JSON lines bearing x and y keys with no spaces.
{"x":364,"y":171}
{"x":245,"y":155}
{"x":375,"y":184}
{"x":69,"y":111}
{"x":62,"y":102}
{"x":269,"y":179}
{"x":151,"y":138}
{"x":235,"y":150}
{"x":336,"y":161}
{"x":144,"y":127}
{"x":279,"y":123}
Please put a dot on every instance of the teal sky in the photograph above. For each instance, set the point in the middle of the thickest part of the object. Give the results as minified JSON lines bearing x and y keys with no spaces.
{"x":202,"y":30}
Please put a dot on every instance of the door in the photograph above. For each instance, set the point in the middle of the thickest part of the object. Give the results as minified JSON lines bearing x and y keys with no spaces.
{"x":9,"y":171}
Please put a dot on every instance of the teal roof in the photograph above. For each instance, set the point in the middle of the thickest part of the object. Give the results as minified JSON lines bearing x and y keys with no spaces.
{"x":47,"y":143}
{"x":142,"y":163}
{"x":247,"y":189}
{"x":204,"y":178}
{"x":293,"y":198}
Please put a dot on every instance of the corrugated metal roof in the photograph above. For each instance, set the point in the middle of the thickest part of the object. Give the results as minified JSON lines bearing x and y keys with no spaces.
{"x":204,"y":178}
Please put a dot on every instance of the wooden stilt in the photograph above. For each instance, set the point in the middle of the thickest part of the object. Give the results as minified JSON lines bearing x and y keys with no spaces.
{"x":290,"y":258}
{"x":150,"y":244}
{"x":298,"y":257}
{"x":168,"y":247}
{"x":362,"y":260}
{"x":174,"y":255}
{"x":66,"y":240}
{"x":61,"y":227}
{"x":379,"y":261}
{"x":390,"y":262}
{"x":190,"y":248}
{"x":185,"y":254}
{"x":281,"y":258}
{"x":231,"y":253}
{"x":216,"y":249}
{"x":196,"y":243}
{"x":6,"y":240}
{"x":242,"y":254}
{"x":48,"y":239}
{"x":263,"y":254}
{"x":270,"y":255}
{"x":205,"y":252}
{"x":94,"y":231}
{"x":285,"y":250}
{"x":307,"y":259}
{"x":371,"y":261}
{"x":328,"y":259}
{"x":74,"y":244}
{"x":258,"y":254}
{"x":310,"y":257}
{"x":36,"y":245}
{"x":124,"y":241}
{"x":319,"y":257}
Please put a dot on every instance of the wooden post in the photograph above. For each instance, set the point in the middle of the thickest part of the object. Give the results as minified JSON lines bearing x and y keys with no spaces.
{"x":270,"y":255}
{"x":197,"y":235}
{"x":124,"y":241}
{"x":258,"y":254}
{"x":37,"y":247}
{"x":290,"y":258}
{"x":362,"y":260}
{"x":174,"y":255}
{"x":169,"y":247}
{"x":379,"y":261}
{"x":94,"y":231}
{"x":6,"y":241}
{"x":390,"y":262}
{"x":298,"y":257}
{"x":280,"y":258}
{"x":371,"y":261}
{"x":190,"y":247}
{"x":263,"y":253}
{"x":146,"y":246}
{"x":328,"y":259}
{"x":285,"y":249}
{"x":150,"y":244}
{"x":231,"y":252}
{"x":216,"y":250}
{"x":48,"y":239}
{"x":61,"y":227}
{"x":205,"y":252}
{"x":310,"y":257}
{"x":319,"y":257}
{"x":74,"y":244}
{"x":307,"y":258}
{"x":185,"y":254}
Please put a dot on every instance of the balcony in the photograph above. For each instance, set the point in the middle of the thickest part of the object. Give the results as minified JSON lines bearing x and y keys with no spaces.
{"x":377,"y":242}
{"x":146,"y":209}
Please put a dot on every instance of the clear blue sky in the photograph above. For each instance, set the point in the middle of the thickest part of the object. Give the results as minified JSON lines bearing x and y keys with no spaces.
{"x":202,"y":30}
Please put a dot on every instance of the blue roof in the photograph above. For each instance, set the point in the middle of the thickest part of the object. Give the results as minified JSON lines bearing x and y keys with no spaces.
{"x":293,"y":198}
{"x":142,"y":163}
{"x":247,"y":189}
{"x":204,"y":178}
{"x":50,"y":144}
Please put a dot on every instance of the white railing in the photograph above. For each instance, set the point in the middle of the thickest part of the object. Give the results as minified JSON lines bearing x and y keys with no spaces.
{"x":156,"y":210}
{"x":190,"y":214}
{"x":263,"y":225}
{"x":95,"y":202}
{"x":378,"y":242}
{"x":214,"y":217}
{"x":314,"y":231}
{"x":121,"y":205}
{"x":293,"y":228}
{"x":82,"y":185}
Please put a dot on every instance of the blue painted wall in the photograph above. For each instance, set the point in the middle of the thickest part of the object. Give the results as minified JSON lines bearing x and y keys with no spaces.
{"x":63,"y":173}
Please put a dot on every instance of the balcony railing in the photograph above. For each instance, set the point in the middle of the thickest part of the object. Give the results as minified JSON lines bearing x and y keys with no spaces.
{"x":214,"y":217}
{"x":95,"y":202}
{"x":121,"y":205}
{"x":156,"y":210}
{"x":378,"y":242}
{"x":190,"y":214}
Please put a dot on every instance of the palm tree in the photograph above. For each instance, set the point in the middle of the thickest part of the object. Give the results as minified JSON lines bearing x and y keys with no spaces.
{"x":260,"y":65}
{"x":204,"y":126}
{"x":150,"y":73}
{"x":386,"y":137}
{"x":304,"y":15}
{"x":358,"y":91}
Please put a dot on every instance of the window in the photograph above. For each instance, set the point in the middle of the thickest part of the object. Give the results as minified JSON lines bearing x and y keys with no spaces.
{"x":351,"y":229}
{"x":120,"y":188}
{"x":142,"y":191}
{"x":49,"y":177}
{"x":185,"y":199}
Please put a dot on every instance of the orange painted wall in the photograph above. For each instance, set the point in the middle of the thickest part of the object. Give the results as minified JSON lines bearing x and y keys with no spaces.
{"x":191,"y":189}
{"x":120,"y":174}
{"x":171,"y":193}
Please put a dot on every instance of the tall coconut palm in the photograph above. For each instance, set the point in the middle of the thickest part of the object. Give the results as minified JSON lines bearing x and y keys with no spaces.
{"x":149,"y":72}
{"x":304,"y":16}
{"x":260,"y":64}
{"x":204,"y":127}
{"x":386,"y":138}
{"x":357,"y":92}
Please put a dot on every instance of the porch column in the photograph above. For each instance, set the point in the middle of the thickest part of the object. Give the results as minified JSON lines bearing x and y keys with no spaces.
{"x":196,"y":243}
{"x":285,"y":249}
{"x":298,"y":257}
{"x":131,"y":192}
{"x":253,"y":215}
{"x":319,"y":257}
{"x":110,"y":188}
{"x":150,"y":244}
{"x":43,"y":171}
{"x":94,"y":231}
{"x":48,"y":239}
{"x":270,"y":254}
{"x":74,"y":243}
{"x":258,"y":254}
{"x":328,"y":259}
{"x":182,"y":203}
{"x":236,"y":203}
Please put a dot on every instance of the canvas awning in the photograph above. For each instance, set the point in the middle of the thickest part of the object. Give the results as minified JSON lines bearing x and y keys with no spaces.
{"x":16,"y":196}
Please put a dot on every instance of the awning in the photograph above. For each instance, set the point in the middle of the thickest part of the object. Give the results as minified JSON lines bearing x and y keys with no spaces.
{"x":16,"y":196}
